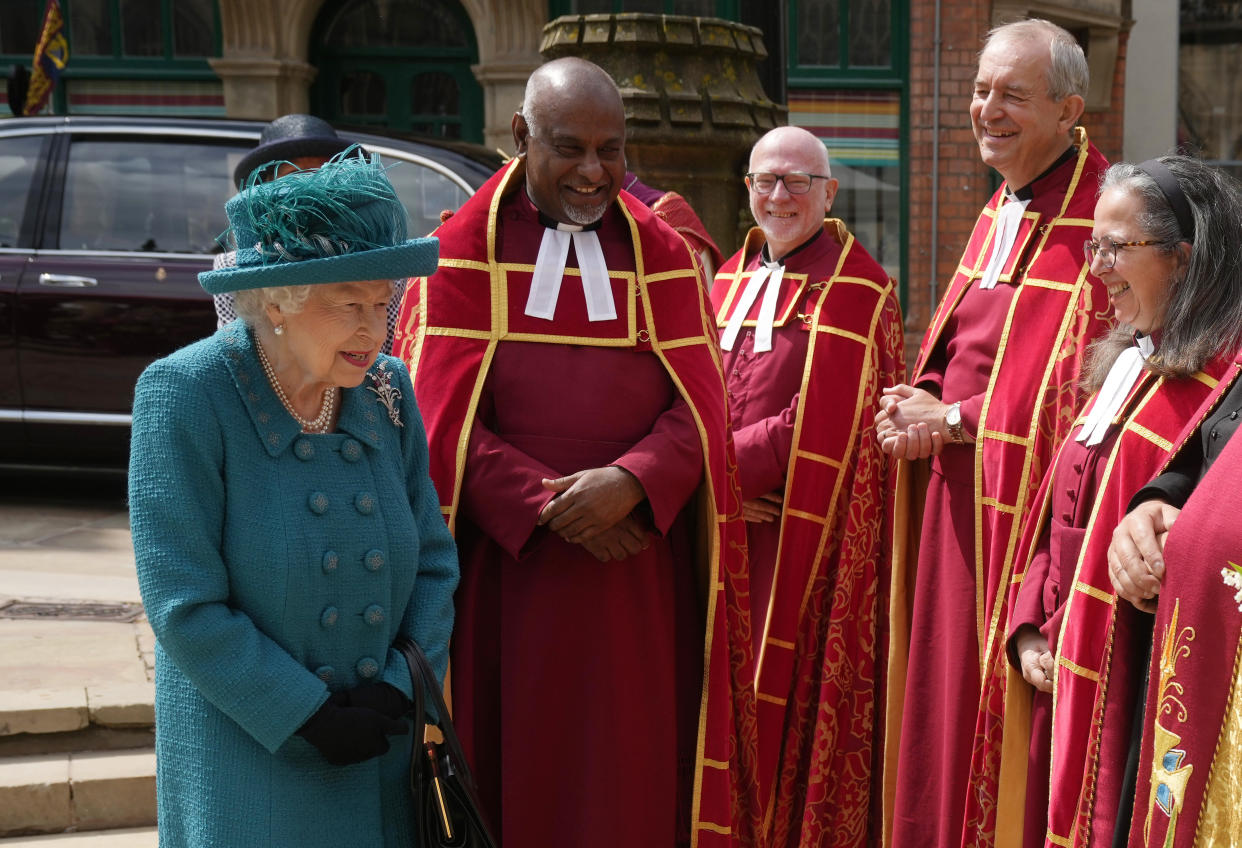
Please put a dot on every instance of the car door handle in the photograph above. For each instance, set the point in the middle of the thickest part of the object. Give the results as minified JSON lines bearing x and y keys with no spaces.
{"x":67,"y":281}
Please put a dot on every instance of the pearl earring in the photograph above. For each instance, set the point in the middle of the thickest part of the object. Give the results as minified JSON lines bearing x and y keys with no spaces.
{"x":279,"y":329}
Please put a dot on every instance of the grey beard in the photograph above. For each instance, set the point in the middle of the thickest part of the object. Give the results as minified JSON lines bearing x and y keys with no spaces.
{"x":584,"y":217}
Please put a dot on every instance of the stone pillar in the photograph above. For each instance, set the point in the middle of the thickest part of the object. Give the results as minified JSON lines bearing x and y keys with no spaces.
{"x":263,"y":56}
{"x":507,"y":33}
{"x":504,"y":86}
{"x":694,"y":105}
{"x":263,"y":89}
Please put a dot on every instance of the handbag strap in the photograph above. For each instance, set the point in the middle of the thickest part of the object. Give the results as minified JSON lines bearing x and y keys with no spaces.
{"x":423,"y":679}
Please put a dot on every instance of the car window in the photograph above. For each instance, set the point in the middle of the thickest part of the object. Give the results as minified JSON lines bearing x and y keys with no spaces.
{"x":142,"y":195}
{"x":19,"y":157}
{"x":425,"y":192}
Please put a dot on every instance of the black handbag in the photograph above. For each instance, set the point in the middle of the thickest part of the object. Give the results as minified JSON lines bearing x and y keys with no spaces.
{"x":446,"y":803}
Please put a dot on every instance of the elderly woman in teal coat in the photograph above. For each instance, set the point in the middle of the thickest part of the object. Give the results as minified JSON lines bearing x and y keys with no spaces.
{"x":286,"y":531}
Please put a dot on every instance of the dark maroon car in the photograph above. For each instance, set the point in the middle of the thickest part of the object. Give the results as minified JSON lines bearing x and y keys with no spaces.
{"x":104,"y":226}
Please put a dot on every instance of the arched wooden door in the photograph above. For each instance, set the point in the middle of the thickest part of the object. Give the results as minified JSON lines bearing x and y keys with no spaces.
{"x":399,"y":64}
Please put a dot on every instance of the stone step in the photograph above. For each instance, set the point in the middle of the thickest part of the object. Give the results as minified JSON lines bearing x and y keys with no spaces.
{"x":59,"y":710}
{"x":100,"y":790}
{"x":138,"y":837}
{"x":47,"y":721}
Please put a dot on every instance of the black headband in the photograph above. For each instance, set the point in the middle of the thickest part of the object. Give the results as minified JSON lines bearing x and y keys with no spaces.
{"x":1172,"y":191}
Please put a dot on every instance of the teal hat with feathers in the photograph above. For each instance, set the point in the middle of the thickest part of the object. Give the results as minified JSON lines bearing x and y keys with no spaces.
{"x":339,"y":223}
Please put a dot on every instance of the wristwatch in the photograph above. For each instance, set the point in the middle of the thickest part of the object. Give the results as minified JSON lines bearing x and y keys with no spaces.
{"x":953,"y":423}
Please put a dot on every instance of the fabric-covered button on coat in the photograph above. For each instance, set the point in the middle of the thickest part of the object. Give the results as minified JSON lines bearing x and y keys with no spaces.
{"x":256,"y":548}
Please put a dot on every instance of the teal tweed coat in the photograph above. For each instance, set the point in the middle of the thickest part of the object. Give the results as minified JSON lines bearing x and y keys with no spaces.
{"x":276,"y":567}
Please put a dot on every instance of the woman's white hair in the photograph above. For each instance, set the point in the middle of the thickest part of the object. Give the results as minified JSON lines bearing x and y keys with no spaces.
{"x":251,"y":304}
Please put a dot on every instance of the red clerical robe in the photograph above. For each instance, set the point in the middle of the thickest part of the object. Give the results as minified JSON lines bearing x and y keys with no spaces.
{"x":1069,"y":495}
{"x":1190,"y":762}
{"x":820,"y":571}
{"x":676,"y":211}
{"x":1012,"y":356}
{"x":1060,"y":584}
{"x":593,"y":706}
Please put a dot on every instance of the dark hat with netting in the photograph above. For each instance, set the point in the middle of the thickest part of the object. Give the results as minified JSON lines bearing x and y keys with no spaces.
{"x":290,"y":137}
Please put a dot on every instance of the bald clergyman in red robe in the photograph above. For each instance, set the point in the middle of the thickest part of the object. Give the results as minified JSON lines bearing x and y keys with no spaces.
{"x":566,"y":365}
{"x":811,"y":331}
{"x":995,"y":391}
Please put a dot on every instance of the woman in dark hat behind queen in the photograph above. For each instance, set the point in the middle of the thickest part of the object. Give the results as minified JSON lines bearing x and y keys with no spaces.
{"x":289,"y":143}
{"x":286,"y":531}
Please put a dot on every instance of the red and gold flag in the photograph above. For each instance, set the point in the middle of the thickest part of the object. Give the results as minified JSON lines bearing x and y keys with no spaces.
{"x":51,"y":54}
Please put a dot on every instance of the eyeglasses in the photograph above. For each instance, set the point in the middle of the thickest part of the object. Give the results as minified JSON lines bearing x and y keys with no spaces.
{"x":1106,"y":249}
{"x":795,"y":183}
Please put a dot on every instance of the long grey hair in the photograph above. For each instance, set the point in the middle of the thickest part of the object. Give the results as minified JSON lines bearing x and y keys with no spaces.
{"x":1204,"y":316}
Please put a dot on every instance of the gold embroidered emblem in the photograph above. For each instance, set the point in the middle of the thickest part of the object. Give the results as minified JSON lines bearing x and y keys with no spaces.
{"x":1169,"y":772}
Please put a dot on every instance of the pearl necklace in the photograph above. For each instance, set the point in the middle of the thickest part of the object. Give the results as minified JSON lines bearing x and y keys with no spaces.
{"x":318,"y":424}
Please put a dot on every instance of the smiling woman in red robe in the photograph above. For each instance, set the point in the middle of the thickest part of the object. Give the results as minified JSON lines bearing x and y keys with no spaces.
{"x":1064,"y":626}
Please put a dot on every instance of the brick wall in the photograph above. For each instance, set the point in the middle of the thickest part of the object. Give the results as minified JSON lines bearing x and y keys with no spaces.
{"x":965,"y":182}
{"x":1106,"y":127}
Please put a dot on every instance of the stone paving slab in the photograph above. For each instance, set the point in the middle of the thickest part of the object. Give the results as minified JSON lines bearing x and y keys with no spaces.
{"x":43,"y":710}
{"x":70,"y":550}
{"x":98,"y":552}
{"x":64,"y":541}
{"x":36,"y":794}
{"x":113,"y":789}
{"x":88,"y":791}
{"x":40,"y":523}
{"x":61,"y":654}
{"x":122,"y":705}
{"x":141,"y":837}
{"x":108,"y":535}
{"x":51,"y":581}
{"x":45,"y":573}
{"x":67,"y":679}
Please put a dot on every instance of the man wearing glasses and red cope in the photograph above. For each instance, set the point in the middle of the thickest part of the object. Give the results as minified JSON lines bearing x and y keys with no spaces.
{"x":995,"y":390}
{"x":811,"y":332}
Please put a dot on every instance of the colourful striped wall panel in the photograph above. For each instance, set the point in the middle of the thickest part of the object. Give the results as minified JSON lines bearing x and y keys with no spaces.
{"x":859,"y":127}
{"x":145,"y":97}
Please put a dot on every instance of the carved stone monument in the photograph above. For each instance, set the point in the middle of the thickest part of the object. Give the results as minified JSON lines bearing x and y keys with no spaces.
{"x":694,"y":105}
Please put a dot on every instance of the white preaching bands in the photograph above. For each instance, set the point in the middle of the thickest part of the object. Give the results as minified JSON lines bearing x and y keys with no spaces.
{"x":1007,"y":220}
{"x":545,"y":287}
{"x":1121,"y":378}
{"x":768,"y":278}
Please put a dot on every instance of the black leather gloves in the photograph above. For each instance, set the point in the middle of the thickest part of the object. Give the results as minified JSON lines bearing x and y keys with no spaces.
{"x":382,"y":697}
{"x":349,"y":734}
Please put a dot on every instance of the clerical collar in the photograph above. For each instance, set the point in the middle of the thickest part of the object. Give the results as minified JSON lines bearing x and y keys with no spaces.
{"x":765,"y":281}
{"x":553,"y":224}
{"x":765,"y":255}
{"x":545,"y":287}
{"x":1005,"y":235}
{"x":1027,"y":192}
{"x":1124,"y":373}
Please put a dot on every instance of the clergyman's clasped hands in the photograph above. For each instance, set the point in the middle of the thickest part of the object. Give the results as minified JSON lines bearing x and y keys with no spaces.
{"x":594,"y":508}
